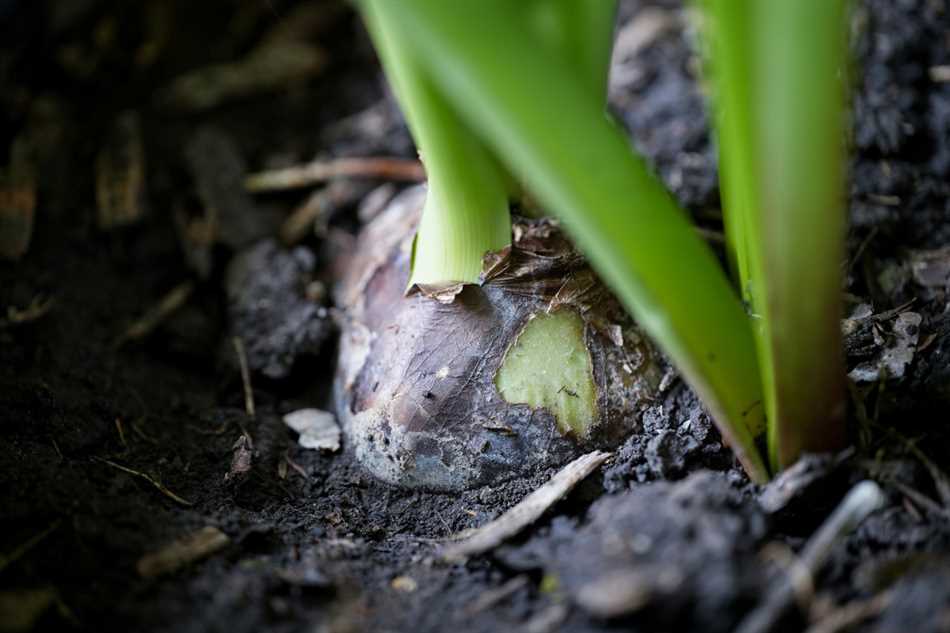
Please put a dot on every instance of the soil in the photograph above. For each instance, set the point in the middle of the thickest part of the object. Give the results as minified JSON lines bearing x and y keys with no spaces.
{"x":118,"y":440}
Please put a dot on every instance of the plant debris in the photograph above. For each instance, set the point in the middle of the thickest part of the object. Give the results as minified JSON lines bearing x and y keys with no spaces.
{"x":37,"y":308}
{"x":317,"y":172}
{"x":318,"y":429}
{"x":17,"y":200}
{"x":120,"y":174}
{"x":21,"y":550}
{"x":242,"y":458}
{"x":895,"y":350}
{"x":155,"y":482}
{"x":313,"y":216}
{"x":283,"y":57}
{"x":527,"y":511}
{"x":167,"y":305}
{"x":182,"y":552}
{"x":862,"y":500}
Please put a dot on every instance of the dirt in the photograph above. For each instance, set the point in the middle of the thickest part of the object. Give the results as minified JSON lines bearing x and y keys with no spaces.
{"x":113,"y":445}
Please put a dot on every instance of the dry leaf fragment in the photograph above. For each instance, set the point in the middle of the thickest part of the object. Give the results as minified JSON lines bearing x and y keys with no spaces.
{"x":318,"y":429}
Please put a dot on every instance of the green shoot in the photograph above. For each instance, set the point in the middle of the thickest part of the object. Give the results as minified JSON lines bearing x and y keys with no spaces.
{"x":779,"y":67}
{"x":548,"y":125}
{"x":465,"y":213}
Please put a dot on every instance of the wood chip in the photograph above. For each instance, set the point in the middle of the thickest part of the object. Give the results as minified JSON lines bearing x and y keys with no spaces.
{"x":120,"y":174}
{"x":17,"y":200}
{"x":182,"y":552}
{"x":527,"y":511}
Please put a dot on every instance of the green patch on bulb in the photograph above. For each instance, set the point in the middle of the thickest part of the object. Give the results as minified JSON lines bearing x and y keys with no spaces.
{"x":549,"y":367}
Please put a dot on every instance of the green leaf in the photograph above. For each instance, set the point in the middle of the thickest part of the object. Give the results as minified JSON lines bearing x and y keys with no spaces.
{"x":779,"y":68}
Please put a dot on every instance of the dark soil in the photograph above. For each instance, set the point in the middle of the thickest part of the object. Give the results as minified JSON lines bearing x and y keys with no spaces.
{"x":670,"y":535}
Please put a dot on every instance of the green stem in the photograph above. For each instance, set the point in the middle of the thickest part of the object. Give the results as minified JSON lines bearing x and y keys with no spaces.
{"x":466,"y":209}
{"x":550,"y":129}
{"x":581,"y":33}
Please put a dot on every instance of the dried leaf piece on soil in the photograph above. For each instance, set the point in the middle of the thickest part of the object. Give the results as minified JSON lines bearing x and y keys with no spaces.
{"x":528,"y":510}
{"x":182,"y":552}
{"x":242,"y":457}
{"x":896,"y":351}
{"x":318,"y":429}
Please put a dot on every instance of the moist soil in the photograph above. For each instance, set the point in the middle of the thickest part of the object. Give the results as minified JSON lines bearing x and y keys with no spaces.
{"x":120,"y":434}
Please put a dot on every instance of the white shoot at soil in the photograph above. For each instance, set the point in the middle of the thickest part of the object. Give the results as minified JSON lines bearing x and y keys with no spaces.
{"x":549,"y":367}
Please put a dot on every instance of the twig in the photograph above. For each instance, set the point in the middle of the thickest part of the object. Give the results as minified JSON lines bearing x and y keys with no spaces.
{"x":863,"y":499}
{"x":851,"y":614}
{"x":245,"y":377}
{"x":174,"y":299}
{"x":321,"y":171}
{"x":490,"y":598}
{"x":20,"y":550}
{"x":922,"y":500}
{"x":159,"y":485}
{"x":38,"y":307}
{"x":526,"y":511}
{"x":297,"y":467}
{"x":316,"y":208}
